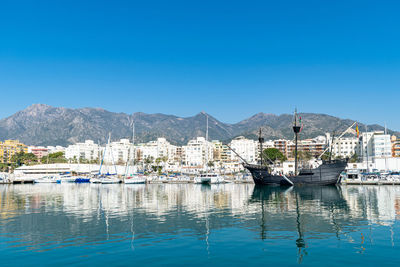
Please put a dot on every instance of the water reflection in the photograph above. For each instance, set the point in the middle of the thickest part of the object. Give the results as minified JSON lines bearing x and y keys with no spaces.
{"x":290,"y":209}
{"x":48,"y":217}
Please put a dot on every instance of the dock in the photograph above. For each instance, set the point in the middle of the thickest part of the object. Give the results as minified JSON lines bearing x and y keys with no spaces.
{"x":370,"y":182}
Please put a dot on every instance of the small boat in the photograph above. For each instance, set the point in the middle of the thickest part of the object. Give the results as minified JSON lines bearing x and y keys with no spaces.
{"x":110,"y":180}
{"x":82,"y":179}
{"x":48,"y":179}
{"x":95,"y":179}
{"x":208,"y":178}
{"x":135,"y":179}
{"x":4,"y":178}
{"x":67,"y":179}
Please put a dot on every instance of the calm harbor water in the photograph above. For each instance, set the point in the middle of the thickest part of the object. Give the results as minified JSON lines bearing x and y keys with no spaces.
{"x":235,"y":224}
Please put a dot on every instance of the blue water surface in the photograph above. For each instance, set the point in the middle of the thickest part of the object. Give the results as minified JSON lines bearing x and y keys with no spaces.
{"x":187,"y":224}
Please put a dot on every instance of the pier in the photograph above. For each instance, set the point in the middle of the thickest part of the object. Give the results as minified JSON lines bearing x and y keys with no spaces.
{"x":354,"y":182}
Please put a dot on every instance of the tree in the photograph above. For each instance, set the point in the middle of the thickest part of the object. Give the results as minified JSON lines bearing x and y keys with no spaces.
{"x":4,"y":167}
{"x":57,"y":157}
{"x":148,"y":161}
{"x":326,"y":156}
{"x":273,"y":154}
{"x":306,"y":155}
{"x":22,"y":158}
{"x":210,"y":164}
{"x":353,"y":158}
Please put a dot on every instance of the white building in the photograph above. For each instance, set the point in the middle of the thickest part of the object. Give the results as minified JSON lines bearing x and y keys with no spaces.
{"x":246,"y":149}
{"x":87,"y":150}
{"x":117,"y":152}
{"x":346,"y":147}
{"x":375,"y":145}
{"x":195,"y":152}
{"x":157,"y":149}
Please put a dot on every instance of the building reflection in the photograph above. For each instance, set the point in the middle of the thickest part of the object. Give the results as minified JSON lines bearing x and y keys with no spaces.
{"x":99,"y":211}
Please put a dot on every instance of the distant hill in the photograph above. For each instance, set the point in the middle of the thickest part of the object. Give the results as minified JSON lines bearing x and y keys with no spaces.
{"x":41,"y":124}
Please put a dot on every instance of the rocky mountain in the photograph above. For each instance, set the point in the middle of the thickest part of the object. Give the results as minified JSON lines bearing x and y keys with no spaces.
{"x":45,"y":125}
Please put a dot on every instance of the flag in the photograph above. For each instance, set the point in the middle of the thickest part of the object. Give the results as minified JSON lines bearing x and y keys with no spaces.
{"x":357,"y":131}
{"x":301,"y":123}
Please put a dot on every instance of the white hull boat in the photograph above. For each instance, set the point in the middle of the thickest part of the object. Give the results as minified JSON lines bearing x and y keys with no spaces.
{"x":47,"y":180}
{"x":208,"y":178}
{"x":135,"y":179}
{"x":69,"y":179}
{"x":111,"y":180}
{"x":95,"y":180}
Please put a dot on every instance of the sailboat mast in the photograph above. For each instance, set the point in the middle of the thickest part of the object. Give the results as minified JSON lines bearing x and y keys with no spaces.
{"x":133,"y":147}
{"x":207,"y":144}
{"x":296,"y":129}
{"x":367,"y":141}
{"x":102,"y":158}
{"x":261,"y":140}
{"x":385,"y":149}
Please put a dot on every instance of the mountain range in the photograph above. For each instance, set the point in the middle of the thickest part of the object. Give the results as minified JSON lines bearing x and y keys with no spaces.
{"x":41,"y":124}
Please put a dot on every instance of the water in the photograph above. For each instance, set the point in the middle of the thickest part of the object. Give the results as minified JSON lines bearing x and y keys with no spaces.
{"x":232,"y":224}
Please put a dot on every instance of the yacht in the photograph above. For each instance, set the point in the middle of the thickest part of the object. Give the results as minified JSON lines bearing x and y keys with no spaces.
{"x":48,"y":179}
{"x":208,"y":178}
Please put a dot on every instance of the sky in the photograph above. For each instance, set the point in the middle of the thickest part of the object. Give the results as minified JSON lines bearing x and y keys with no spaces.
{"x":231,"y":59}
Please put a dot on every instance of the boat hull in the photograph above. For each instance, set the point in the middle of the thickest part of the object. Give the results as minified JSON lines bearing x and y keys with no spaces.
{"x":327,"y":173}
{"x":262,"y":176}
{"x":135,"y":181}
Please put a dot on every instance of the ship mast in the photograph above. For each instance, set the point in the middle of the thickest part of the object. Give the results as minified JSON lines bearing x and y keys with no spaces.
{"x":261,"y":141}
{"x":296,"y":130}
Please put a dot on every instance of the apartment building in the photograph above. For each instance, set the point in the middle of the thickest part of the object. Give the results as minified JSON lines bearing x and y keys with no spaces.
{"x":8,"y":148}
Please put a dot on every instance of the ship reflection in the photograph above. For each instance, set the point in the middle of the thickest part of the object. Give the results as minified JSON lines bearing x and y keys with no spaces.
{"x":304,"y":215}
{"x":295,"y":202}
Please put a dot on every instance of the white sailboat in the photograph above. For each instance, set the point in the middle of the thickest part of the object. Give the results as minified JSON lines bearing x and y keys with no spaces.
{"x":134,"y":178}
{"x":105,"y":179}
{"x":208,"y":177}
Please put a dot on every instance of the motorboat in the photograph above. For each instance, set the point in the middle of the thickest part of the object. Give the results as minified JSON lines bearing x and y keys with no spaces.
{"x":208,"y":178}
{"x":48,"y":179}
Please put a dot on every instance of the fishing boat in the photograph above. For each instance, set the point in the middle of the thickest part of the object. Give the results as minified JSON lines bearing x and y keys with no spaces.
{"x":327,"y":173}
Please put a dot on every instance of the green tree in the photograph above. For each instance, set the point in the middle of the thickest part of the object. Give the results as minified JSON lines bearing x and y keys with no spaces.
{"x":57,"y":157}
{"x":148,"y":161}
{"x":273,"y":154}
{"x":353,"y":158}
{"x":306,"y":155}
{"x":4,"y":167}
{"x":22,"y":158}
{"x":326,"y":156}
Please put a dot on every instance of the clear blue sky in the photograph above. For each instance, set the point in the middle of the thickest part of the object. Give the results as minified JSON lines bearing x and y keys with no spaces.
{"x":231,"y":59}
